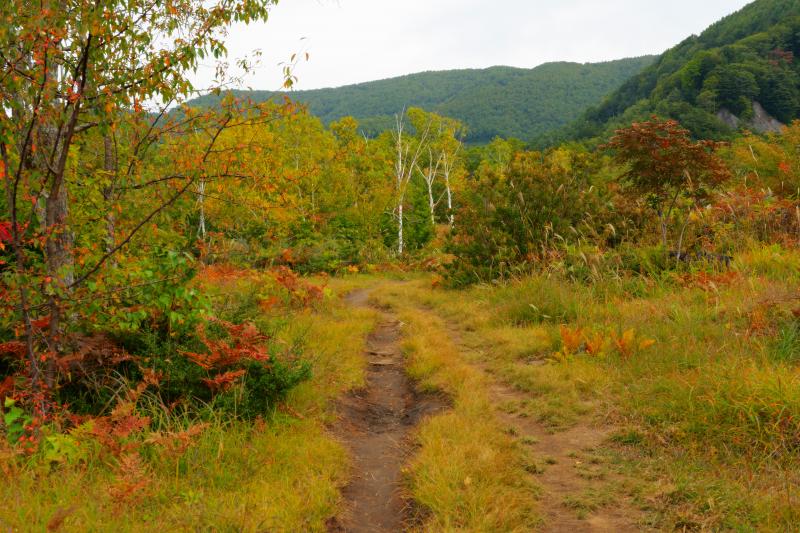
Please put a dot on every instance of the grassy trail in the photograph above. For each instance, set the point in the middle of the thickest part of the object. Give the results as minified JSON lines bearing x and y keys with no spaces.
{"x":431,"y":410}
{"x":579,"y":492}
{"x":622,"y":406}
{"x":484,"y":465}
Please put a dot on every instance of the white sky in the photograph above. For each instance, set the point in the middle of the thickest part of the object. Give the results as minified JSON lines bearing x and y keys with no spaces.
{"x":352,"y":41}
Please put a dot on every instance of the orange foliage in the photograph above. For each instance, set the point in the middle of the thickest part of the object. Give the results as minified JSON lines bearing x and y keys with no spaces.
{"x":571,"y":339}
{"x":595,"y":343}
{"x":224,"y":273}
{"x":624,"y":343}
{"x":709,"y":281}
{"x":224,"y":381}
{"x":131,"y":481}
{"x":175,"y":443}
{"x":12,"y":348}
{"x":245,"y":343}
{"x":299,"y":291}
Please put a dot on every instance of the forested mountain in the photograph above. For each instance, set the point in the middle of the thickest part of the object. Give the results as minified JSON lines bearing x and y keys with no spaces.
{"x":498,"y":101}
{"x":742,"y":71}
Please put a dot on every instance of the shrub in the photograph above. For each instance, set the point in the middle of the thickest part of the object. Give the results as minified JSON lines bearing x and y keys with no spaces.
{"x":511,"y":220}
{"x":262,"y":387}
{"x":234,"y":366}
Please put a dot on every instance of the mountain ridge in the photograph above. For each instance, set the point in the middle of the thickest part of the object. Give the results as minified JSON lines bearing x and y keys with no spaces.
{"x":495,"y":101}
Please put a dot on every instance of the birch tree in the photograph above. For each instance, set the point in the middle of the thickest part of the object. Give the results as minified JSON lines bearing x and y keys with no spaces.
{"x":442,"y":159}
{"x":452,"y":168}
{"x":408,"y":150}
{"x":448,"y":172}
{"x":429,"y":174}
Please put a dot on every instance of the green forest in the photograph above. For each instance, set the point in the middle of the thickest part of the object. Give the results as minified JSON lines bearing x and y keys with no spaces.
{"x":495,"y":102}
{"x":749,"y":56}
{"x":410,"y":305}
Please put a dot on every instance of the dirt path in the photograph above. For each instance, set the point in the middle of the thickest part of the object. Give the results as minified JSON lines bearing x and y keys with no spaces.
{"x":577,"y":489}
{"x":375,"y":424}
{"x":579,"y":492}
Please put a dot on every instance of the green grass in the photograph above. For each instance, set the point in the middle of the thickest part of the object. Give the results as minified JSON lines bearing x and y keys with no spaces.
{"x":283,"y":477}
{"x":707,"y":418}
{"x":711,"y":411}
{"x":282,"y":474}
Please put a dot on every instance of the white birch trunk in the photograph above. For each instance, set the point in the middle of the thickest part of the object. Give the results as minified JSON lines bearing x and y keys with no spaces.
{"x":400,"y":228}
{"x":201,"y":190}
{"x":431,"y":203}
{"x":451,"y":217}
{"x":446,"y":169}
{"x":404,"y":171}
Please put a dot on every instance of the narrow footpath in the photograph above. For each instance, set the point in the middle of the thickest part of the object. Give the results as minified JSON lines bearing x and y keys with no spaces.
{"x":375,"y":424}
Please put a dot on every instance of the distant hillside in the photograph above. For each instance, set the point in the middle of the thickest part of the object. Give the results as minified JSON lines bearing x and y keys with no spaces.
{"x":743,"y":71}
{"x":498,"y":101}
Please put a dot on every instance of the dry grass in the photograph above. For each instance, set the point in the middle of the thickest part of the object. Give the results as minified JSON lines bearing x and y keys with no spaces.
{"x":467,"y":475}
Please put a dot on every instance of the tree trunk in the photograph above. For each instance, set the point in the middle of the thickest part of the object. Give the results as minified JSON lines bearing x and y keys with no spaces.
{"x":662,"y":220}
{"x":451,"y":216}
{"x":201,"y":228}
{"x":400,"y":227}
{"x":431,"y":203}
{"x":679,"y":254}
{"x":59,"y":268}
{"x":110,"y":166}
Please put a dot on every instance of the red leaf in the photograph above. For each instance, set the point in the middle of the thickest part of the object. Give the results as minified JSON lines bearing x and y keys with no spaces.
{"x":5,"y":232}
{"x":41,"y":323}
{"x":224,"y":381}
{"x":13,"y":348}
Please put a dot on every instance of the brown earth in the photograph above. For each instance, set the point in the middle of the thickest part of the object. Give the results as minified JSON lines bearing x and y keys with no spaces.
{"x":569,"y":473}
{"x":375,"y":424}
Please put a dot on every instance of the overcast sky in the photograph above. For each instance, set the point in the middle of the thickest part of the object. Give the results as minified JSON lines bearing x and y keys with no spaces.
{"x":352,"y":41}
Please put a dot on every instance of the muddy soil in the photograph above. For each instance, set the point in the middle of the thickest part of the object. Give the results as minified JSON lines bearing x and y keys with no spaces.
{"x":375,"y":423}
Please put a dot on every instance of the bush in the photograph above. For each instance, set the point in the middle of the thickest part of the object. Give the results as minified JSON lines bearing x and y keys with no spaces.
{"x":338,"y":246}
{"x":236,"y":363}
{"x":512,"y":220}
{"x":233,"y":367}
{"x":262,"y":387}
{"x":645,"y":260}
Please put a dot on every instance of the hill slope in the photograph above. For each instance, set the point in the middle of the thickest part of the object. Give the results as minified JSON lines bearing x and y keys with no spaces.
{"x":739,"y":67}
{"x":498,"y":101}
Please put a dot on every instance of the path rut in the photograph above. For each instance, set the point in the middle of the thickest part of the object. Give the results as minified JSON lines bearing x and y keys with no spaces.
{"x":375,"y":424}
{"x":568,"y":473}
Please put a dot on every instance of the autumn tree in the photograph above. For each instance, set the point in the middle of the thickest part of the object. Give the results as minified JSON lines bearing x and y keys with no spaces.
{"x":358,"y":187}
{"x":511,"y":221}
{"x":113,"y":69}
{"x":668,"y":169}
